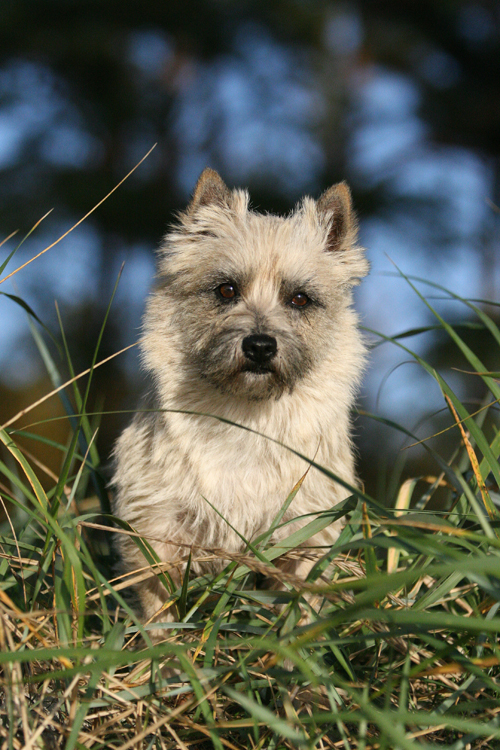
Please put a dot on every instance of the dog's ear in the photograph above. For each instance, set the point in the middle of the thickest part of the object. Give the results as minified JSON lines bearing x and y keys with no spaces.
{"x":210,"y":188}
{"x":335,"y":206}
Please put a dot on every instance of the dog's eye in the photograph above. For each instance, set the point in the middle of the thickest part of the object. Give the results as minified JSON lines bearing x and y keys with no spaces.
{"x":300,"y":300}
{"x":227,"y":292}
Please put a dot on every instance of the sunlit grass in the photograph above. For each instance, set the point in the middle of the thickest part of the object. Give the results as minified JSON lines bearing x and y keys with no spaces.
{"x":400,"y":648}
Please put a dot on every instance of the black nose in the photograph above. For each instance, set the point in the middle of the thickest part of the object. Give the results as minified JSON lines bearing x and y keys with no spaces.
{"x":259,"y":348}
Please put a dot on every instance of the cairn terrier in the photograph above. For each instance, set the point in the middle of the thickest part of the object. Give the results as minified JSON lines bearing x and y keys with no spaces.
{"x":250,"y":321}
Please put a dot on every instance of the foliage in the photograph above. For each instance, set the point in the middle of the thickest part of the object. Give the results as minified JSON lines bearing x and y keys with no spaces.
{"x":391,"y":641}
{"x":106,"y":80}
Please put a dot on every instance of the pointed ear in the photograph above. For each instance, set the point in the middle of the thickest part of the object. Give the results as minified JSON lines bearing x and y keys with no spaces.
{"x":210,"y":188}
{"x":335,"y":205}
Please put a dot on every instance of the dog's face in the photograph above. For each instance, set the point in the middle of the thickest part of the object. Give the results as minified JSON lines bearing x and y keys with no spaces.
{"x":256,"y":299}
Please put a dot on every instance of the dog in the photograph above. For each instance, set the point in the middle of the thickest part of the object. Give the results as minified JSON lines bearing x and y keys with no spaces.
{"x":250,"y":323}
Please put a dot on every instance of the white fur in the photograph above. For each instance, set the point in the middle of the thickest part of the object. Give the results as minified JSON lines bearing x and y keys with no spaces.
{"x":169,"y":464}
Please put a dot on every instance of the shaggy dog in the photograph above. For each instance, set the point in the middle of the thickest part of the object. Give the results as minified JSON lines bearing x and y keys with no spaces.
{"x":250,"y":321}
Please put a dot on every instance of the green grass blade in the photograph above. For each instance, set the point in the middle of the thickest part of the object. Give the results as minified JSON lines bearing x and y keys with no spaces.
{"x":5,"y":263}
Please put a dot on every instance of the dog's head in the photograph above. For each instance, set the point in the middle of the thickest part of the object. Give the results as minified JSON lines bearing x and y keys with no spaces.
{"x":256,"y":300}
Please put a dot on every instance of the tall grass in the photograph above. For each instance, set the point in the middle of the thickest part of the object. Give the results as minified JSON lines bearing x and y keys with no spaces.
{"x":399,"y":650}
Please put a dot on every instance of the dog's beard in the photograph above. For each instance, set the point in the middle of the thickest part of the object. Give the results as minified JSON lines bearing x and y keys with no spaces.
{"x":251,"y":382}
{"x":221,"y":362}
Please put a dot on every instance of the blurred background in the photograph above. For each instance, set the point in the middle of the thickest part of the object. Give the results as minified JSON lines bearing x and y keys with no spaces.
{"x":401,"y":99}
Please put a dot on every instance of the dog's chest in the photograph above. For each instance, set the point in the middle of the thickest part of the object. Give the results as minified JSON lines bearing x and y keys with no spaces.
{"x":244,"y":476}
{"x":237,"y":471}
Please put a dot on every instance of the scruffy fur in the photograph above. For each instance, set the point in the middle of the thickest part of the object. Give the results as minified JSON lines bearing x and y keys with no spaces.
{"x":231,"y":282}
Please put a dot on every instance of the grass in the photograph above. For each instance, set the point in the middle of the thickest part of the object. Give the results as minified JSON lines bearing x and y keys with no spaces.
{"x":401,"y":649}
